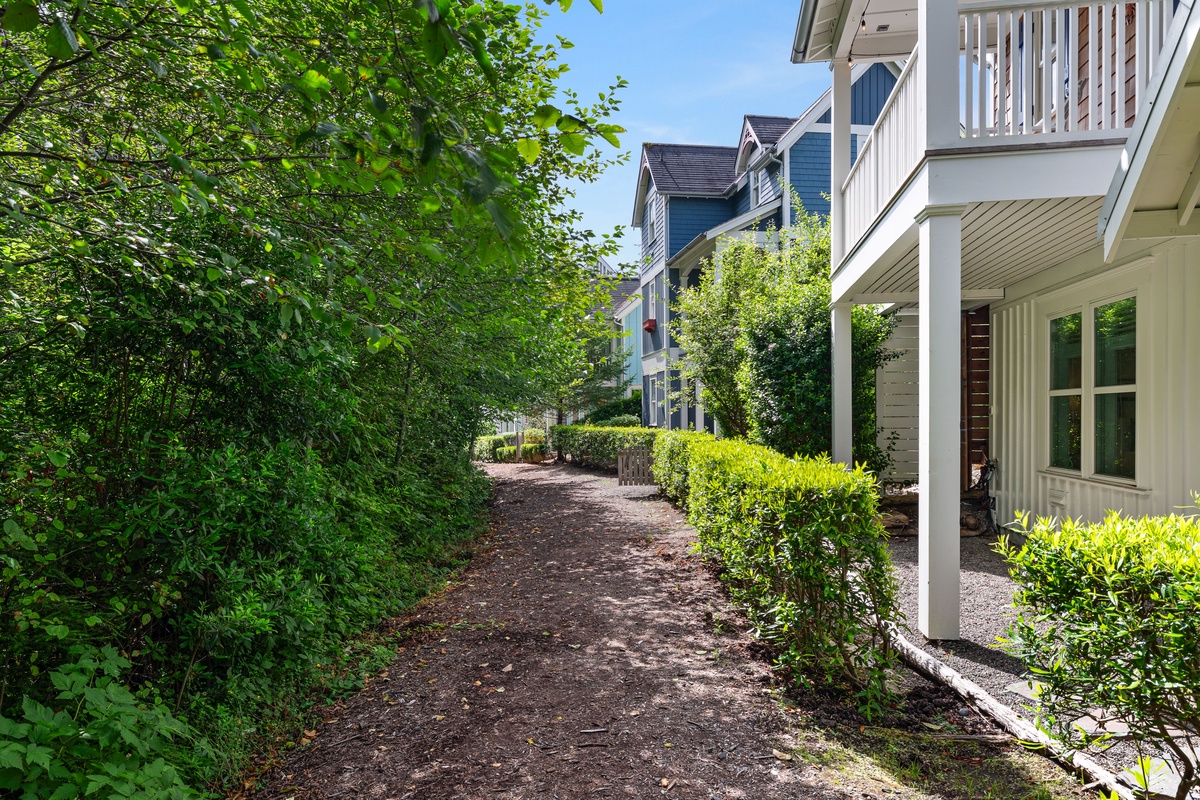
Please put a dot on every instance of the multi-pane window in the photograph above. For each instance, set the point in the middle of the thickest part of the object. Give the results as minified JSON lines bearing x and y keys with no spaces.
{"x":1093,"y":390}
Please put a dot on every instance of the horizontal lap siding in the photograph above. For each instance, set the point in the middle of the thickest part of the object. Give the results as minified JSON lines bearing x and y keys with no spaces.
{"x":692,"y":216}
{"x":1168,"y":338}
{"x":896,"y":400}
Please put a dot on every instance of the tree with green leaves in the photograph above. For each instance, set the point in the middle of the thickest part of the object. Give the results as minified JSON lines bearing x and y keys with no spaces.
{"x":265,"y":269}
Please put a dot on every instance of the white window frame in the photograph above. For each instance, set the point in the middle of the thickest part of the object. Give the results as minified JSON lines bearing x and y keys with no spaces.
{"x":1088,"y":391}
{"x":652,"y":389}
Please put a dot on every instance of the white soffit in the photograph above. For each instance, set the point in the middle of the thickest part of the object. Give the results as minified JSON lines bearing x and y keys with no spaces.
{"x":1157,"y":183}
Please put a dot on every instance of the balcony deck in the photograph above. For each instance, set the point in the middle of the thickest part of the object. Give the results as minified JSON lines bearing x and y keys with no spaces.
{"x":1038,"y":126}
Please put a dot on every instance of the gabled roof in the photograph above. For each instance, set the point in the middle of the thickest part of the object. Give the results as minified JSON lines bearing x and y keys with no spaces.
{"x":691,"y":169}
{"x":767,"y":130}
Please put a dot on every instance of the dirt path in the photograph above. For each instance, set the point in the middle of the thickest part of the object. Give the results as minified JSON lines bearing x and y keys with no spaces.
{"x":585,"y":654}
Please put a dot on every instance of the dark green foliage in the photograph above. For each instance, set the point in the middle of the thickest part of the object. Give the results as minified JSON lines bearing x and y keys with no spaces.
{"x":626,"y":406}
{"x":788,"y":377}
{"x":1109,"y":618}
{"x":671,"y":454}
{"x":800,"y":545}
{"x":623,"y":421}
{"x":506,"y":454}
{"x":757,"y":335}
{"x":595,"y":446}
{"x":486,"y":447}
{"x":104,"y":739}
{"x":533,"y":436}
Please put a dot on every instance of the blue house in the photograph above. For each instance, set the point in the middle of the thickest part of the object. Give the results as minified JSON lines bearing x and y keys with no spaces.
{"x":691,"y":196}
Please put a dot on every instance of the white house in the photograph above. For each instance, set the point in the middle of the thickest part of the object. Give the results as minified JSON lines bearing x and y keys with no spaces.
{"x":1015,"y":133}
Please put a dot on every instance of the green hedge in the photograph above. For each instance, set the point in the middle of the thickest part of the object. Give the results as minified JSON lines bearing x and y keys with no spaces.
{"x":597,"y":447}
{"x":533,"y":452}
{"x":506,"y":454}
{"x":486,"y":447}
{"x":801,"y":548}
{"x":628,"y":406}
{"x":671,"y":463}
{"x":624,"y":421}
{"x":1109,"y":617}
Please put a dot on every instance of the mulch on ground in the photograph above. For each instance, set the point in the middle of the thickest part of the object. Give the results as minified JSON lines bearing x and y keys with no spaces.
{"x":586,"y":652}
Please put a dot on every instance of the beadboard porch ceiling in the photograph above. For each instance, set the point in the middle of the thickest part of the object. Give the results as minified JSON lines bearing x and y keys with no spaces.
{"x":1002,"y":243}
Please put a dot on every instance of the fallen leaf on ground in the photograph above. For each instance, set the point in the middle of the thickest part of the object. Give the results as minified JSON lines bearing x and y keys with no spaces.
{"x":781,"y":755}
{"x":507,"y":669}
{"x":440,"y":717}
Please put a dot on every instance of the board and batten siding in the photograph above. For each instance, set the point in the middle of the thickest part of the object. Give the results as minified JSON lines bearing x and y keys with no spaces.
{"x":1166,"y":282}
{"x":896,"y":399}
{"x":868,"y":96}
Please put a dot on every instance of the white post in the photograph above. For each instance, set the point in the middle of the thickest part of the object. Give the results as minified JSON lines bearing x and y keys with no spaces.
{"x":839,"y":161}
{"x":939,"y":388}
{"x":843,"y":400}
{"x":938,"y":70}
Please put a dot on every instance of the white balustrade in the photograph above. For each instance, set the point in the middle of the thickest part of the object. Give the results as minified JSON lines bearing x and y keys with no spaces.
{"x":1058,"y":70}
{"x":1067,"y":69}
{"x":889,"y":154}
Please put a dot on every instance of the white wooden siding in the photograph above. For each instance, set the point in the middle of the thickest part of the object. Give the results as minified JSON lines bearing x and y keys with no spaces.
{"x":1167,"y":285}
{"x":896,"y":399}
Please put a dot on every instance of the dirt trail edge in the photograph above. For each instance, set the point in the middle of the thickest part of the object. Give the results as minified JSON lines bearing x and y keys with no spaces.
{"x":584,"y":653}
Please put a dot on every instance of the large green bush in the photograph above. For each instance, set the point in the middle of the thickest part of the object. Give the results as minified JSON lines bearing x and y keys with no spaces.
{"x":1109,"y":618}
{"x":623,"y":421}
{"x":486,"y":447}
{"x":626,"y":406}
{"x":671,"y":455}
{"x":595,"y":446}
{"x":801,"y":547}
{"x":758,"y":340}
{"x":506,"y":454}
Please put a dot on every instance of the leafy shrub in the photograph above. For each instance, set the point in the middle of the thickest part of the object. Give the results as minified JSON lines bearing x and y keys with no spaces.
{"x":801,"y":547}
{"x":104,"y":738}
{"x":597,"y":447}
{"x":533,"y":436}
{"x":506,"y":454}
{"x":671,"y":462}
{"x":1109,"y":618}
{"x":624,"y":421}
{"x":486,"y":447}
{"x":626,"y":406}
{"x":533,"y":452}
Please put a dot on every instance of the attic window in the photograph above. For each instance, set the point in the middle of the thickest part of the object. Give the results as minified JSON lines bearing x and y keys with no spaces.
{"x":882,"y":28}
{"x":648,"y":217}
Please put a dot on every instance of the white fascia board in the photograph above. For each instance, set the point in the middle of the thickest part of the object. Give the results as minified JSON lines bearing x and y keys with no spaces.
{"x":739,"y":222}
{"x":639,"y":198}
{"x":1162,"y":95}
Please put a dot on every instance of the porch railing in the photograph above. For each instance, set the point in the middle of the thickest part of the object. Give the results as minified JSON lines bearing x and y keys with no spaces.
{"x":1060,"y":68}
{"x":885,"y":159}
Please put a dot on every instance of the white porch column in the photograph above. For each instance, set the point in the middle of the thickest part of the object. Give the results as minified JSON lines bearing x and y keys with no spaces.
{"x":939,"y":390}
{"x":839,"y":160}
{"x":843,"y":392}
{"x":938,"y":70}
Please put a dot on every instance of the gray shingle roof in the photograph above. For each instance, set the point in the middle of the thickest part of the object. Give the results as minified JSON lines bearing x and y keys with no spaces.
{"x":769,"y":129}
{"x":691,"y":168}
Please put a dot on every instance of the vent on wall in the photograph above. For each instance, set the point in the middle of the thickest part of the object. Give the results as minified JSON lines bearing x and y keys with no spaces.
{"x":882,"y":28}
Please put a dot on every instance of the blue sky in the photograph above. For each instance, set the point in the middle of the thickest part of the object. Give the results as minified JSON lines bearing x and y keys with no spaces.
{"x":694,"y":68}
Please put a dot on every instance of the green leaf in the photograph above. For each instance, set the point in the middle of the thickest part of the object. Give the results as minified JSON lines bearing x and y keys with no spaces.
{"x":214,"y":274}
{"x":57,"y":457}
{"x":569,"y":124}
{"x":545,"y":116}
{"x":565,"y":5}
{"x":314,"y":81}
{"x":20,"y":16}
{"x":60,"y":40}
{"x":12,"y":528}
{"x":378,"y":103}
{"x":183,"y":6}
{"x":529,"y":149}
{"x":574,"y":143}
{"x":598,"y":5}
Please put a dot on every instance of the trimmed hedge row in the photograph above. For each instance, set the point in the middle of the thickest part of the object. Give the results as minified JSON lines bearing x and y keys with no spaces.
{"x":597,"y":447}
{"x":1109,"y":617}
{"x":486,"y":447}
{"x":624,"y":421}
{"x":801,"y":548}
